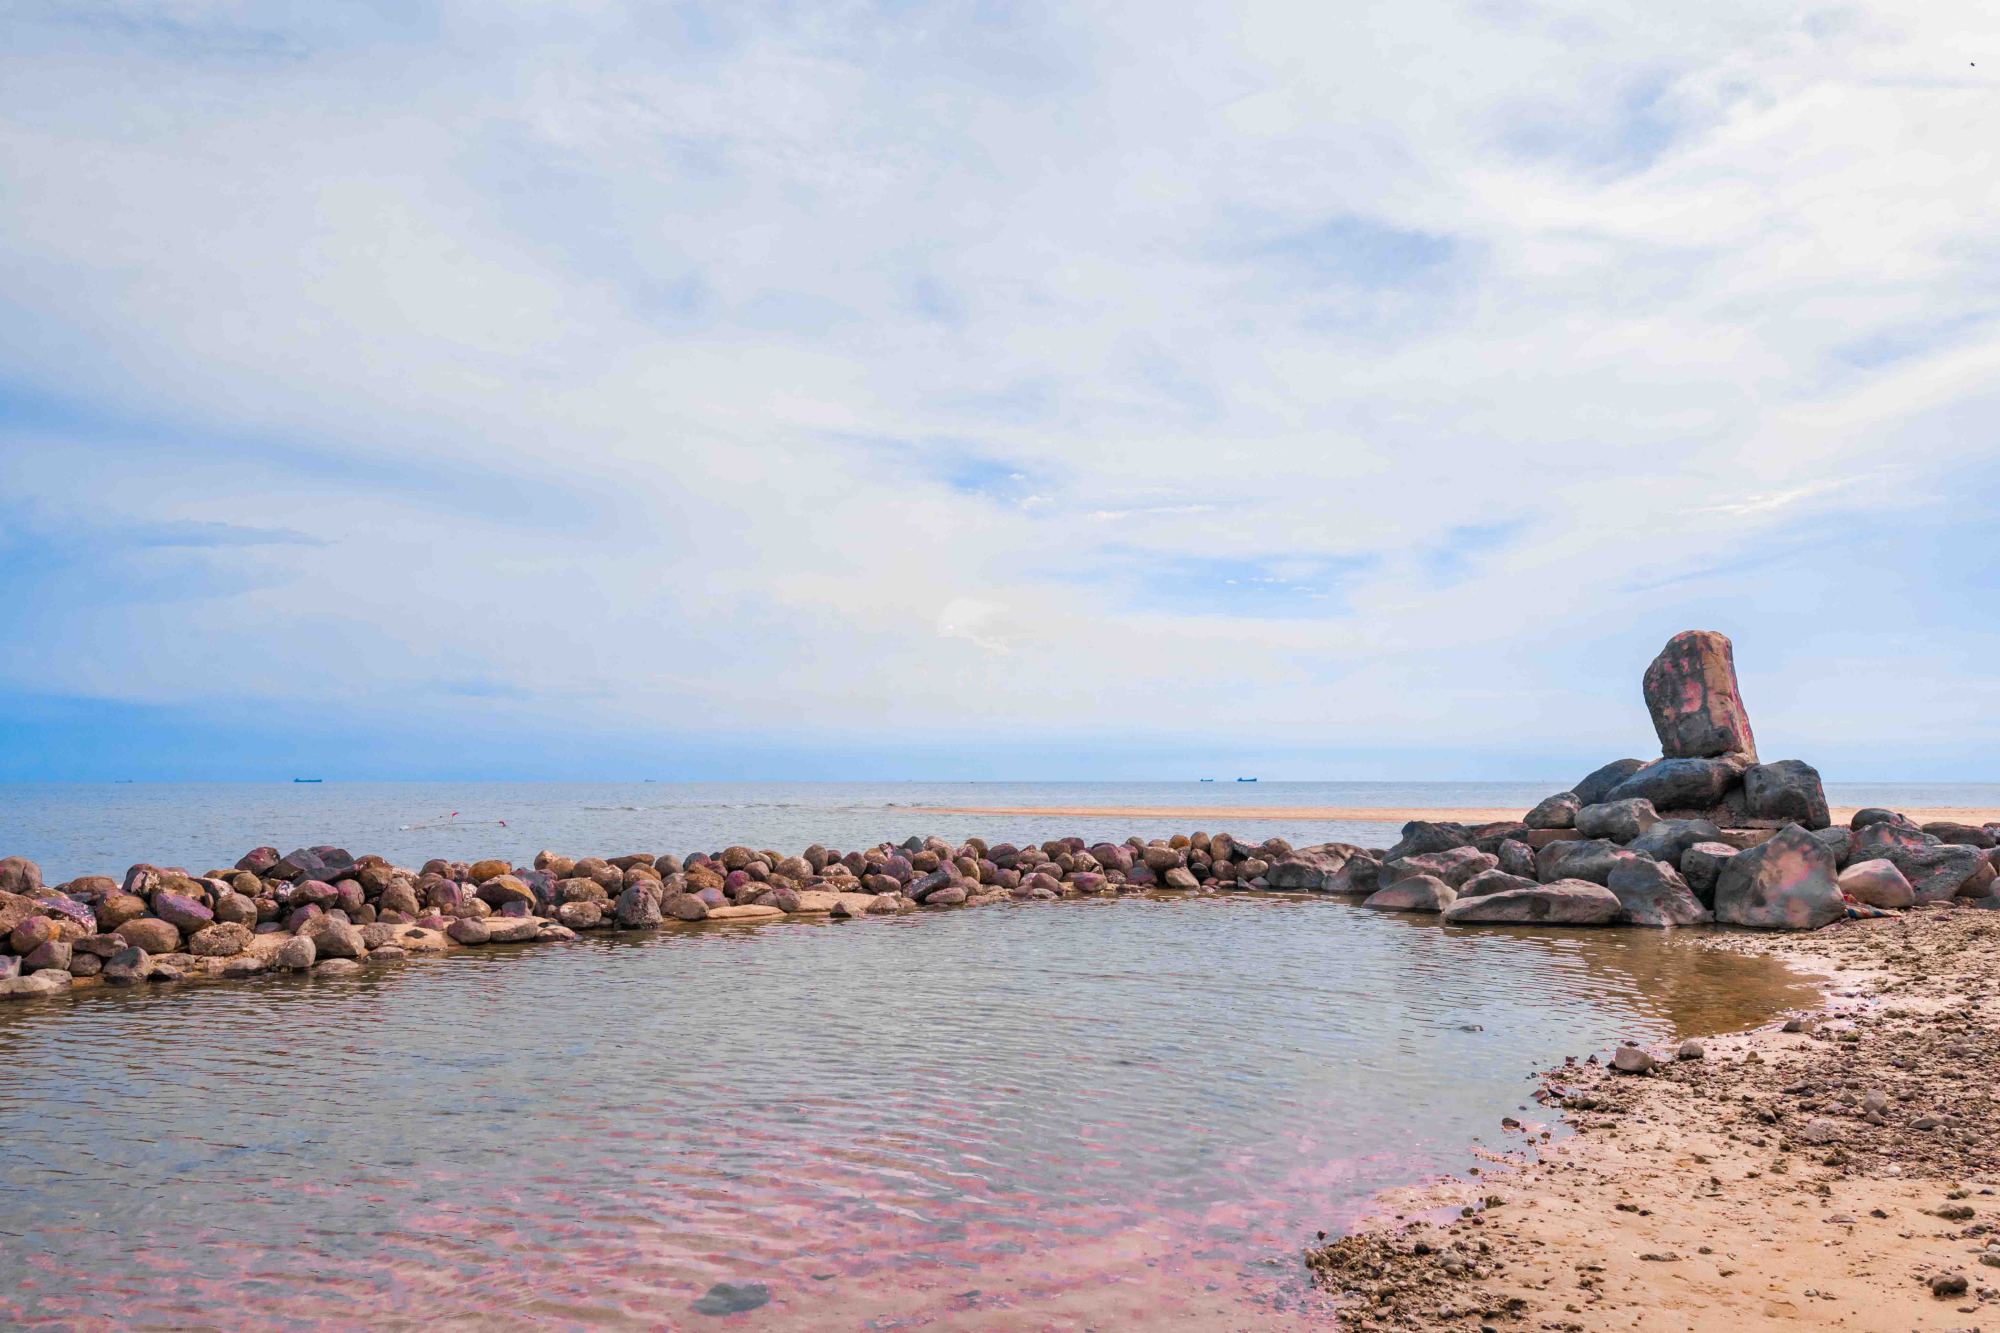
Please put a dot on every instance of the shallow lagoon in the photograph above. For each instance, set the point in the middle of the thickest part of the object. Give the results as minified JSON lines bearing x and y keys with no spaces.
{"x":1026,"y":1115}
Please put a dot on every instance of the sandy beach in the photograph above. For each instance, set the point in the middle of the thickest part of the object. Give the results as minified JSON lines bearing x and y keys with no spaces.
{"x":1221,"y":815}
{"x":1840,"y":1176}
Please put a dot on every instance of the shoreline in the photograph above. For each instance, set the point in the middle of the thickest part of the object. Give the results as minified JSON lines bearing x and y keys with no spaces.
{"x":1826,"y":1175}
{"x":1366,"y":814}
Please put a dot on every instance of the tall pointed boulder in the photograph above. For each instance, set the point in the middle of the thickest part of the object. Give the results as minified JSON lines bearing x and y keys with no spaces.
{"x":1692,"y":694}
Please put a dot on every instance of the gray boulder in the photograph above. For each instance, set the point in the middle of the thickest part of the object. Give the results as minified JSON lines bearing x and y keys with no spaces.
{"x":1308,"y":868}
{"x":1593,"y":789}
{"x":1558,"y":811}
{"x":1837,"y":840}
{"x":1568,"y":902}
{"x":1788,"y":789}
{"x":1878,"y":883}
{"x":1593,"y":860}
{"x":1416,"y":893}
{"x":294,"y":955}
{"x":1680,"y":784}
{"x":638,"y":908}
{"x":1785,"y":883}
{"x":1652,"y":894}
{"x":1701,"y":865}
{"x":1938,"y":874}
{"x":1620,"y":821}
{"x":1516,"y":858}
{"x":1423,"y":836}
{"x":1494,"y":881}
{"x":1453,"y":867}
{"x":1669,"y":838}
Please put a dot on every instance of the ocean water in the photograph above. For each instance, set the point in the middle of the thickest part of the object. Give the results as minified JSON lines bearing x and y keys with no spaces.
{"x":74,"y":829}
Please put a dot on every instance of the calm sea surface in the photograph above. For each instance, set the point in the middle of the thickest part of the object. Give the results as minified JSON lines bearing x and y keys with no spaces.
{"x":100,"y":829}
{"x":1049,"y":1115}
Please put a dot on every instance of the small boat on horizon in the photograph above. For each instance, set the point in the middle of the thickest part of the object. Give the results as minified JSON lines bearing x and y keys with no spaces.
{"x":1208,"y":779}
{"x":1246,"y":779}
{"x":308,"y":779}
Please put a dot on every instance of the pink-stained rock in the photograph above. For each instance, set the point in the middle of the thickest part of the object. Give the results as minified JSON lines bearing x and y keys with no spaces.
{"x":1784,"y":883}
{"x":1413,"y":893}
{"x":1878,"y":883}
{"x":1566,"y":902}
{"x":1692,"y":694}
{"x":1654,"y":894}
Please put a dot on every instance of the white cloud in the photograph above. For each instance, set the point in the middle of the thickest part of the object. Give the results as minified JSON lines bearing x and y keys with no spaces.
{"x":566,"y":332}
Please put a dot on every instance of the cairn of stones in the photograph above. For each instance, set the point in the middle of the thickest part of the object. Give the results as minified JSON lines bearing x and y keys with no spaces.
{"x":1706,"y":832}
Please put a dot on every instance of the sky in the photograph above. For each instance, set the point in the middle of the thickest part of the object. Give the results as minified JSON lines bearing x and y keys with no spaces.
{"x":980,"y":390}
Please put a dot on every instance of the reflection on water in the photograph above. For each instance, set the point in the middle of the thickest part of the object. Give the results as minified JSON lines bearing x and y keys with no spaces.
{"x":1112,"y":1109}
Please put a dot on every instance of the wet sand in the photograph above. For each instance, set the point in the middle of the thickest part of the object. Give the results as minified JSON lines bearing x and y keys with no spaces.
{"x":1751,"y":1189}
{"x":1221,"y":814}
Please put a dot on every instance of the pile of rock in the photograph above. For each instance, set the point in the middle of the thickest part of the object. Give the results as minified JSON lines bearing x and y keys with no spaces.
{"x":1705,"y":832}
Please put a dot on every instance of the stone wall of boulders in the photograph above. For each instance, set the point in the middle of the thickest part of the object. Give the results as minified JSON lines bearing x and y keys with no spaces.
{"x":320,"y":908}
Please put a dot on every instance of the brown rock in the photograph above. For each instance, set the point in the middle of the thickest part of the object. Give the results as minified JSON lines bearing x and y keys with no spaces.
{"x":1692,"y":693}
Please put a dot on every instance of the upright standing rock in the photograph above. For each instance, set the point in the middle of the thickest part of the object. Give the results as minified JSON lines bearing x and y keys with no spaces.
{"x":1692,"y":694}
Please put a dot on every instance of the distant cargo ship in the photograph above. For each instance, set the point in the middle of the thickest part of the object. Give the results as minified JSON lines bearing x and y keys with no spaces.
{"x":1246,"y":779}
{"x":308,"y":779}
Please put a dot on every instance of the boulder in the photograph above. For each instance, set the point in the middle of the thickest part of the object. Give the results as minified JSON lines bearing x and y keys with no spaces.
{"x":1784,"y":883}
{"x":150,"y":933}
{"x":31,"y":934}
{"x":128,"y":965}
{"x":1669,"y":838}
{"x":1701,"y":865}
{"x":1652,"y":894}
{"x":224,"y":939}
{"x":295,"y":954}
{"x":1620,"y":821}
{"x":684,"y":907}
{"x":1680,"y":784}
{"x":468,"y":931}
{"x":1837,"y":840}
{"x":1960,"y":835}
{"x":1887,"y":838}
{"x":638,"y":908}
{"x":1423,"y":836}
{"x":19,"y":875}
{"x":39,"y":986}
{"x":1494,"y":881}
{"x":52,"y":956}
{"x":334,"y":938}
{"x":1567,"y":902}
{"x":1789,"y":790}
{"x":1871,"y":814}
{"x":1516,"y":858}
{"x":1692,"y":693}
{"x":952,"y":895}
{"x":580,"y":916}
{"x":233,"y":906}
{"x":1308,"y":868}
{"x":1593,"y":789}
{"x":259,"y":861}
{"x":1453,"y":867}
{"x":1558,"y":811}
{"x":1592,"y":860}
{"x":183,"y":911}
{"x":336,"y":967}
{"x":499,"y":890}
{"x":490,"y":868}
{"x":1180,"y":877}
{"x":1937,"y":874}
{"x":1415,"y":893}
{"x":399,"y":896}
{"x":1877,"y":883}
